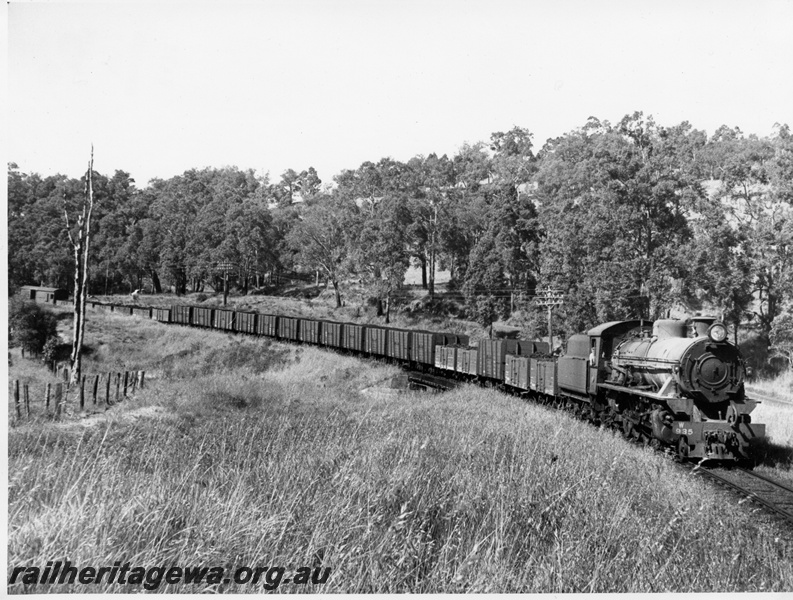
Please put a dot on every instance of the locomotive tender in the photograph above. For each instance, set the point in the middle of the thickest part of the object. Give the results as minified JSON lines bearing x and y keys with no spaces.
{"x":675,"y":383}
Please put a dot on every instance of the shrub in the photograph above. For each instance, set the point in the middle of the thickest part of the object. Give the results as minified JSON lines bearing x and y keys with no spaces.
{"x":201,"y":298}
{"x":30,"y":325}
{"x":49,"y":352}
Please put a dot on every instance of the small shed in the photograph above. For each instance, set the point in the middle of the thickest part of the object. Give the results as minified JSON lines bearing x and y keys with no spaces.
{"x":47,"y":295}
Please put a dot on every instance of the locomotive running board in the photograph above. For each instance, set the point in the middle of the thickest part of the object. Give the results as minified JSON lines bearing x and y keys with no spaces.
{"x":625,"y":390}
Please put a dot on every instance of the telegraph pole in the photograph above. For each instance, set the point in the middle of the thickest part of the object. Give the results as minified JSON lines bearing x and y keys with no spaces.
{"x":550,"y":298}
{"x":225,"y":266}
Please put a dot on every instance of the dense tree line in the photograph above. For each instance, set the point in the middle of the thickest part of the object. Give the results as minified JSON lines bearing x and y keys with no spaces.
{"x":628,"y":219}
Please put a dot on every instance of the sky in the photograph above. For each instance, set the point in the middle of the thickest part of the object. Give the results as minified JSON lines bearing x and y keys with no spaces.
{"x":160,"y":88}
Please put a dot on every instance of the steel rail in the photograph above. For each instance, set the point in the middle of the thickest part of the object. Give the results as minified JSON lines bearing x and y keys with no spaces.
{"x":755,"y":394}
{"x":776,"y":496}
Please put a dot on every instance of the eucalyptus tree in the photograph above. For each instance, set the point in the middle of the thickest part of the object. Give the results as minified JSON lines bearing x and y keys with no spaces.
{"x":292,"y":185}
{"x":429,"y":185}
{"x":614,"y":202}
{"x":485,"y":287}
{"x":320,"y":239}
{"x":380,"y":250}
{"x":753,"y":190}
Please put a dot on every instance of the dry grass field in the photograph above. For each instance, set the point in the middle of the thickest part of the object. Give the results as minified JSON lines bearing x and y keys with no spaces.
{"x":243,"y":451}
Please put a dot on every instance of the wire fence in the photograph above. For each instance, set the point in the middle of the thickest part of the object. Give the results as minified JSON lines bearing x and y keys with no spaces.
{"x":52,"y":400}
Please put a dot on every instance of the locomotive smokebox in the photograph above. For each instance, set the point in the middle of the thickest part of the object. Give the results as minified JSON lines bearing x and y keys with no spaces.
{"x":712,"y":371}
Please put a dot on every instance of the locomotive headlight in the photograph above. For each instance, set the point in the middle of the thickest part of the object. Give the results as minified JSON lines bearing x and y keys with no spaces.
{"x":717,"y":332}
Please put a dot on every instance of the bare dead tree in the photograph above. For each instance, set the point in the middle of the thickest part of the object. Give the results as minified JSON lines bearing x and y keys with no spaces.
{"x":80,"y":245}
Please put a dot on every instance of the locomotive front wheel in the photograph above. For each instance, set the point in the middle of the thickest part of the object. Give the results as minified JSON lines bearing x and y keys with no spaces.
{"x":682,"y":448}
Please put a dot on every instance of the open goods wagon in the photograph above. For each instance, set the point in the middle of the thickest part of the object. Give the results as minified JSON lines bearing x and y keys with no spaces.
{"x":310,"y":331}
{"x":224,"y":319}
{"x":245,"y":322}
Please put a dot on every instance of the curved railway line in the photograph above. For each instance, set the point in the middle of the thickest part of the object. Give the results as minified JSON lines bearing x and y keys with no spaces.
{"x":773,"y":495}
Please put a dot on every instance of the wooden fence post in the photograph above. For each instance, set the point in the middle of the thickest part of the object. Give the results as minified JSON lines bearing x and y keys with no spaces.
{"x":126,"y":374}
{"x":118,"y":386}
{"x":49,"y":390}
{"x":134,"y":378}
{"x":58,"y":399}
{"x":27,"y":400}
{"x":107,"y":389}
{"x":16,"y":399}
{"x":142,"y":376}
{"x":96,"y":387}
{"x":82,"y":392}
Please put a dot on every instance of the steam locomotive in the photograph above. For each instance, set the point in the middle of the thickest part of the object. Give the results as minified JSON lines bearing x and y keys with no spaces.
{"x":671,"y":383}
{"x":679,"y":382}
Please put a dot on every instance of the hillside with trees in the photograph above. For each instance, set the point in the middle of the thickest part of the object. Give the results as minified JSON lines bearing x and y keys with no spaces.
{"x":631,"y":219}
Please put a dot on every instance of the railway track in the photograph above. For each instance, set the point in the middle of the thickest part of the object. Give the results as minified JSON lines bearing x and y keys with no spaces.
{"x":758,"y":395}
{"x":773,"y":495}
{"x":434,"y":382}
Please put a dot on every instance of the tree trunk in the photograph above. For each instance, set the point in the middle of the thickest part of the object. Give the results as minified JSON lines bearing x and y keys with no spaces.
{"x":423,"y":260}
{"x":155,"y":282}
{"x":81,"y":248}
{"x":338,"y":294}
{"x":387,"y":309}
{"x":75,"y":357}
{"x":379,"y":307}
{"x":432,"y":271}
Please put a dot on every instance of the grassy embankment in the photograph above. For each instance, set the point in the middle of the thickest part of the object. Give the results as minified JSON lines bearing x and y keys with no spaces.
{"x":242,"y":451}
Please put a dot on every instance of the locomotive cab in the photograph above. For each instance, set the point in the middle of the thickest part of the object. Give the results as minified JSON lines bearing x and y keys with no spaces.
{"x":604,"y":339}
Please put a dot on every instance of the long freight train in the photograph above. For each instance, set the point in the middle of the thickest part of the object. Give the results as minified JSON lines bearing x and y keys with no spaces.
{"x":676,"y":383}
